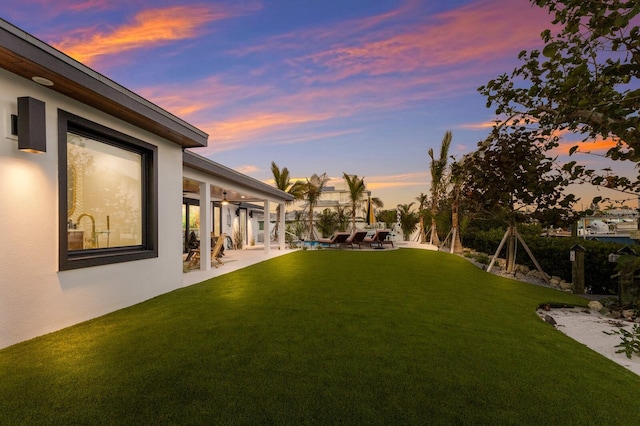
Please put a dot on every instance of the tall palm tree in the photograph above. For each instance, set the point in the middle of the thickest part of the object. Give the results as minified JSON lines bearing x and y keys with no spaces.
{"x":312,"y":191}
{"x":283,"y":183}
{"x":356,"y":194}
{"x":422,"y":204}
{"x":438,"y":169}
{"x":457,"y":182}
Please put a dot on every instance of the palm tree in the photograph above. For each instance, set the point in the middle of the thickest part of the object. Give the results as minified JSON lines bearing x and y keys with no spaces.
{"x":312,"y":191}
{"x":283,"y":183}
{"x":356,"y":194}
{"x":408,"y":220}
{"x":438,"y":169}
{"x":457,"y":181}
{"x":422,"y":204}
{"x":376,"y":203}
{"x":342,"y":218}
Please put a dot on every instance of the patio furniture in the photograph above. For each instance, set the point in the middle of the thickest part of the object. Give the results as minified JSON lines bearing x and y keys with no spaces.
{"x":216,"y":251}
{"x":378,"y":239}
{"x":355,"y":239}
{"x":192,"y":245}
{"x":336,"y":239}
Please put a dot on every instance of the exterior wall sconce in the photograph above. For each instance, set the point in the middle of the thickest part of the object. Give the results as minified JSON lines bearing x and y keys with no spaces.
{"x":224,"y":198}
{"x":30,"y":125}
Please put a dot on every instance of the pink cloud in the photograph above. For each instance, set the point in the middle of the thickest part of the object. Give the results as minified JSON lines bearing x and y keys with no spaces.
{"x":52,"y":8}
{"x":150,"y":27}
{"x":397,"y":181}
{"x":600,"y":146}
{"x":396,"y":65}
{"x":386,"y":44}
{"x":195,"y":100}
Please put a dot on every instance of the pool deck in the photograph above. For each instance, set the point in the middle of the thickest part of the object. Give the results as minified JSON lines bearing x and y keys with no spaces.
{"x":238,"y":259}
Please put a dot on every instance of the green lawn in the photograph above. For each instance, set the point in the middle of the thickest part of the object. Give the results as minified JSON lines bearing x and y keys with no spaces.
{"x":323,"y":337}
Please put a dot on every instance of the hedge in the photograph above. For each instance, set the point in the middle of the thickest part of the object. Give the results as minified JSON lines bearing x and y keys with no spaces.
{"x":553,"y":255}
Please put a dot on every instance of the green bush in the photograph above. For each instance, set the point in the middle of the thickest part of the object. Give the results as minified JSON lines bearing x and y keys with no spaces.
{"x":553,"y":255}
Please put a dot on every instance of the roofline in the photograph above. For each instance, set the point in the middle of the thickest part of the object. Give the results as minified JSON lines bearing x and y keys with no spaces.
{"x":210,"y":167}
{"x":25,"y":55}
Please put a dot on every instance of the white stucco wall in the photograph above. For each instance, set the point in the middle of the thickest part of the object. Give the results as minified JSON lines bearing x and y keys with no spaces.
{"x":35,"y":298}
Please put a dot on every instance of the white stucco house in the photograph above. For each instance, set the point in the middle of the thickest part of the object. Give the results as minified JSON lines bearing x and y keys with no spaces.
{"x":95,"y":183}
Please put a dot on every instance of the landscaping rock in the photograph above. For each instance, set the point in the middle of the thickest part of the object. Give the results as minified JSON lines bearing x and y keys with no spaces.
{"x":565,"y":285}
{"x":628,"y":314}
{"x":595,"y":305}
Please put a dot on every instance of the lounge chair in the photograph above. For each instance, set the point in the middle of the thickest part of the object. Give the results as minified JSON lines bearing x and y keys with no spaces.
{"x":355,"y":239}
{"x":378,"y":239}
{"x":336,"y":239}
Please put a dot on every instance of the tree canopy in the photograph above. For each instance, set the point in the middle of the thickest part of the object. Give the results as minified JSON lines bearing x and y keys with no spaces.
{"x":511,"y":173}
{"x":585,"y":80}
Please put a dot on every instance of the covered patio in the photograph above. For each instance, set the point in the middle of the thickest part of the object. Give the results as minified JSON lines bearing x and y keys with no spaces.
{"x":218,"y":200}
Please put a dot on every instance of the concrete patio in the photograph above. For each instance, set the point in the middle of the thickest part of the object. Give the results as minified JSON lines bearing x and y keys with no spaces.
{"x":234,"y":260}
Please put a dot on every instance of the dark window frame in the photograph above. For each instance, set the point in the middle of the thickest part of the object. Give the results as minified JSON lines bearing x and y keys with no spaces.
{"x":75,"y":259}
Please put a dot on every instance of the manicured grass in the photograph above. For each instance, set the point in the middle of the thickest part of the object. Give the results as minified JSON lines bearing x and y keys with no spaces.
{"x":323,"y":337}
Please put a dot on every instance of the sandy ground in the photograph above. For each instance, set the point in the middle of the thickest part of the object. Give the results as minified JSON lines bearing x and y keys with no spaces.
{"x":587,"y":328}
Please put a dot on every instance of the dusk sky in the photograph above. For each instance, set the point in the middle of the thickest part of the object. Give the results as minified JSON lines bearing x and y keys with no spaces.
{"x":358,"y":86}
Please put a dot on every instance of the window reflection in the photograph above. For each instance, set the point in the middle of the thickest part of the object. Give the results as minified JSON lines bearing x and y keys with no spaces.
{"x":106,"y":207}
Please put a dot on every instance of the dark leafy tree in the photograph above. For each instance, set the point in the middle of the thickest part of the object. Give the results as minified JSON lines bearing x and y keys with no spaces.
{"x":585,"y":80}
{"x":511,"y":178}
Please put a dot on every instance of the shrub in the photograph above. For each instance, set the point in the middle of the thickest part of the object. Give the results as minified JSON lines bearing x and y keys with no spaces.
{"x":553,"y":255}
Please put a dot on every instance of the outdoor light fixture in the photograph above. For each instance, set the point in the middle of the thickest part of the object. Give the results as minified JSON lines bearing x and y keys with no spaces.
{"x":224,"y":199}
{"x":31,"y":125}
{"x":43,"y":81}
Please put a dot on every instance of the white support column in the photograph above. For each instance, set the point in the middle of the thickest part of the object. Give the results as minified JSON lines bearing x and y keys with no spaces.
{"x":267,"y":227}
{"x":205,"y":227}
{"x":282,"y":226}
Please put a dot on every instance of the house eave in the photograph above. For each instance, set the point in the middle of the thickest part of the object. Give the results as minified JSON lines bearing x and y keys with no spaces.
{"x":26,"y":56}
{"x":217,"y":170}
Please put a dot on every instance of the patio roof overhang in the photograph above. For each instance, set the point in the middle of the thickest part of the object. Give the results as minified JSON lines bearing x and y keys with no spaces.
{"x":239,"y":187}
{"x":28,"y":57}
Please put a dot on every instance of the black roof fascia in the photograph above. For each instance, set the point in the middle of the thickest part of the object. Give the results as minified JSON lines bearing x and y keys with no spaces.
{"x":209,"y":167}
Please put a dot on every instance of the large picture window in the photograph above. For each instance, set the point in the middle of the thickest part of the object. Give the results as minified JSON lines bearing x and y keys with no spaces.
{"x":108,"y":207}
